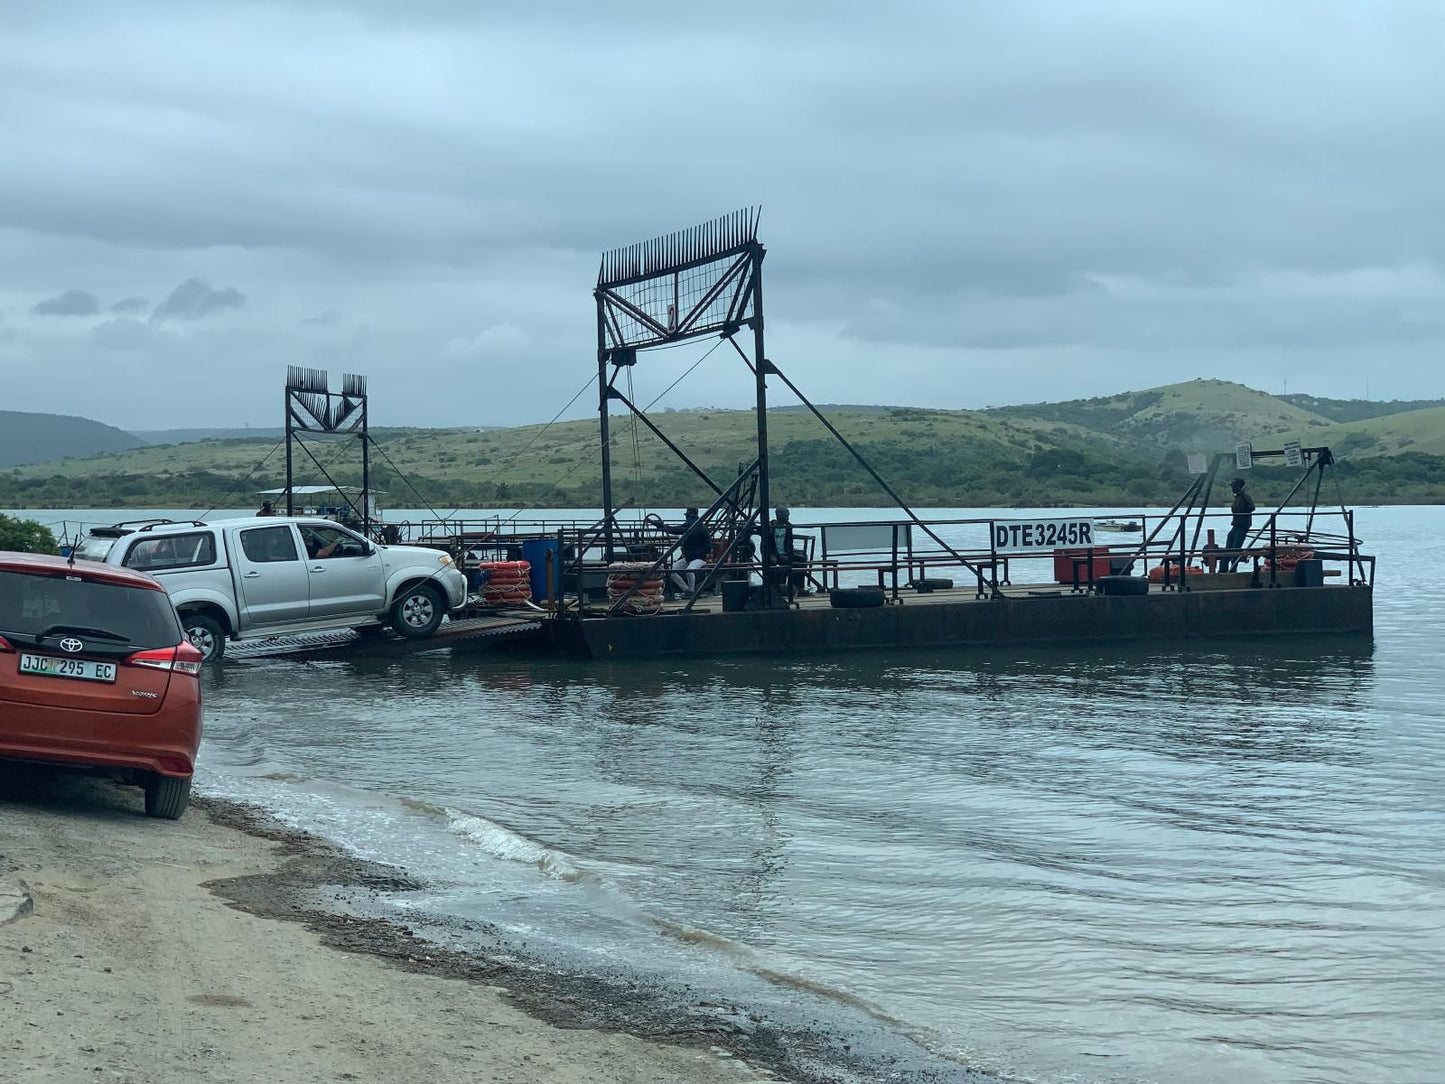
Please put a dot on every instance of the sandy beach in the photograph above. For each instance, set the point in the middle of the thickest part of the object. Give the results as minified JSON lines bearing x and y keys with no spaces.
{"x":198,"y":950}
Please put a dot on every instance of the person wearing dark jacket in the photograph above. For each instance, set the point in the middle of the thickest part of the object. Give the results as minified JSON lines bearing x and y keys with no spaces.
{"x":787,"y":555}
{"x":1243,"y":509}
{"x":693,"y":553}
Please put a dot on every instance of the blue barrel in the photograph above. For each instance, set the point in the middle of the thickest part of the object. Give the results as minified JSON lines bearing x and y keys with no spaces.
{"x":535,"y":551}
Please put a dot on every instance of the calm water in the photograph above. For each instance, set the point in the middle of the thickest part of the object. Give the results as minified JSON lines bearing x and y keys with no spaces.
{"x":1220,"y":862}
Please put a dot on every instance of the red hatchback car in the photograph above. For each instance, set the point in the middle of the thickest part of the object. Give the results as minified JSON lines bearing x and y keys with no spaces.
{"x":95,"y":672}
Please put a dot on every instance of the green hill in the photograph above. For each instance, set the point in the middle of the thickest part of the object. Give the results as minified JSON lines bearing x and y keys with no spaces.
{"x":1125,"y":449}
{"x":1412,"y":432}
{"x":1356,"y":410}
{"x":38,"y":438}
{"x":1199,"y":415}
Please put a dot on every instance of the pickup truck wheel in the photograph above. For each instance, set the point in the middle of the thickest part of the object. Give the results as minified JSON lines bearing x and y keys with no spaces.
{"x":417,"y":611}
{"x":205,"y":635}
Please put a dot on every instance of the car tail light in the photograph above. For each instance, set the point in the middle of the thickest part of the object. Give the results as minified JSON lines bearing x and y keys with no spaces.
{"x":185,"y":658}
{"x":5,"y":645}
{"x":188,"y":658}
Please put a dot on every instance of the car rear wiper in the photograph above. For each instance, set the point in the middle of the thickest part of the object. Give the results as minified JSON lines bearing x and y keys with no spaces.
{"x":83,"y":630}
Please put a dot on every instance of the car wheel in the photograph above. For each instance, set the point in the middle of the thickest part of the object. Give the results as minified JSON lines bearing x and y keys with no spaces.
{"x":167,"y":796}
{"x":417,"y":612}
{"x":205,"y":634}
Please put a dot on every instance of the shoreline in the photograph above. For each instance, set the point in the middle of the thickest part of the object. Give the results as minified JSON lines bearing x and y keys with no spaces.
{"x":272,"y":902}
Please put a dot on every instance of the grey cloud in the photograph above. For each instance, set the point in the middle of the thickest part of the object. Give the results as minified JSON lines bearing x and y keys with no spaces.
{"x":121,"y":334}
{"x":131,"y":304}
{"x":69,"y":303}
{"x":964,"y":184}
{"x":194,"y":299}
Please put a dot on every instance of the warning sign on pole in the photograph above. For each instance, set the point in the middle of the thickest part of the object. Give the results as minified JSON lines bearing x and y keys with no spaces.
{"x":1198,"y":464}
{"x":1243,"y":456}
{"x":1293,"y":457}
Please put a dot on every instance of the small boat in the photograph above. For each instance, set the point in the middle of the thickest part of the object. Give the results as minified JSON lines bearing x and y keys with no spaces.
{"x":1117,"y":525}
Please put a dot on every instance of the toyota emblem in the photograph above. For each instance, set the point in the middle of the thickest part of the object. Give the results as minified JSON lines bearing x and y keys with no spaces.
{"x":71,"y":644}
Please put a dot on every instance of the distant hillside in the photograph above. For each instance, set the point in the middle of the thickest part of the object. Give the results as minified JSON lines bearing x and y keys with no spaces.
{"x":1200,"y":415}
{"x":190,"y":436}
{"x":1126,"y":449}
{"x":1412,"y":432}
{"x":193,"y":436}
{"x":1355,"y":410}
{"x":38,"y":438}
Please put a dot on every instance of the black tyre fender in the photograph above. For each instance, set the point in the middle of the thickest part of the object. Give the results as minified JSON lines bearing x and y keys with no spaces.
{"x":205,"y":633}
{"x":1121,"y":585}
{"x":417,"y":611}
{"x":857,"y":598}
{"x":167,"y":796}
{"x":933,"y":583}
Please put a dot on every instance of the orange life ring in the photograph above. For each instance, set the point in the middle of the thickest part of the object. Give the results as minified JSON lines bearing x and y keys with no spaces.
{"x":509,"y":583}
{"x":1156,"y":574}
{"x":1288,"y":557}
{"x":636,"y":585}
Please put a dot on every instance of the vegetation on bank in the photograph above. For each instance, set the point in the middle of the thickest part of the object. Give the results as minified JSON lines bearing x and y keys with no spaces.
{"x":810,"y":475}
{"x":1123,"y":450}
{"x":26,"y":536}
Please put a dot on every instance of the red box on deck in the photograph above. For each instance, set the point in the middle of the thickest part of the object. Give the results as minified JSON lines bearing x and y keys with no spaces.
{"x":1106,"y":563}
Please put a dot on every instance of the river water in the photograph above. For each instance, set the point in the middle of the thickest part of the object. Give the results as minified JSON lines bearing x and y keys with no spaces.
{"x":1207,"y":862}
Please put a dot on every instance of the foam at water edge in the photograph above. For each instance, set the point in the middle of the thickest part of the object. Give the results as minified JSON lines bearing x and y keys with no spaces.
{"x":503,"y":843}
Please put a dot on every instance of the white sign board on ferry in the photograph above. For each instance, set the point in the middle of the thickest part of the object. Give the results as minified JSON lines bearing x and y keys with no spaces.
{"x":1243,"y":456}
{"x":1018,"y":535}
{"x":1294,"y":455}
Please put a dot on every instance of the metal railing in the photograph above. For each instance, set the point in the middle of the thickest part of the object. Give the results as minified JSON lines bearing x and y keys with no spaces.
{"x":1167,"y":551}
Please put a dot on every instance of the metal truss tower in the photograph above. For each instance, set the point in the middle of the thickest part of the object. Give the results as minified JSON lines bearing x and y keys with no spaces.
{"x":312,"y":407}
{"x":706,"y":280}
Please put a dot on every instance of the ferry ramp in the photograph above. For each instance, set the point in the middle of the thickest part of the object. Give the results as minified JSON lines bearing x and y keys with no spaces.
{"x":472,"y":633}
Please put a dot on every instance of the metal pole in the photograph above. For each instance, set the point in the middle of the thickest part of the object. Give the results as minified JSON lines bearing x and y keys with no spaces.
{"x":1350,"y":527}
{"x":289,"y":438}
{"x":365,"y":473}
{"x":1273,"y":553}
{"x":760,"y":369}
{"x":603,"y":386}
{"x":1184,"y":554}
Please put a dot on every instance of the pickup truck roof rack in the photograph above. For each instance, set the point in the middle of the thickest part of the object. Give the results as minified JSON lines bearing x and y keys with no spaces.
{"x":175,"y":522}
{"x":127,"y":526}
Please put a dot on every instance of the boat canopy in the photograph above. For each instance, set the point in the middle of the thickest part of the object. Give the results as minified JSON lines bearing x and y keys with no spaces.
{"x":312,"y":491}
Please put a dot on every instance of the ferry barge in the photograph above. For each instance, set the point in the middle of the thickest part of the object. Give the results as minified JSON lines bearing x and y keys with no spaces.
{"x":606,"y":590}
{"x":621,"y":588}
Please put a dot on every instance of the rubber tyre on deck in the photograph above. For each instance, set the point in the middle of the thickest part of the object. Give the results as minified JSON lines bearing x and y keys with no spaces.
{"x":167,"y":796}
{"x":206,"y":635}
{"x":927,"y":584}
{"x":417,"y":612}
{"x":857,"y":598}
{"x":1121,"y":585}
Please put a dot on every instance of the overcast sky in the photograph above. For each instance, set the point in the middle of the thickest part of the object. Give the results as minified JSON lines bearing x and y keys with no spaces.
{"x":964,"y":203}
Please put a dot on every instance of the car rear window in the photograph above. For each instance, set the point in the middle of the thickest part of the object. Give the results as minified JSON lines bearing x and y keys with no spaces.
{"x":31,"y":605}
{"x":172,"y":551}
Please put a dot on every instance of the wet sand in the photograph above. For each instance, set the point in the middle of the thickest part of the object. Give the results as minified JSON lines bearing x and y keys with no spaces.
{"x":219,"y":948}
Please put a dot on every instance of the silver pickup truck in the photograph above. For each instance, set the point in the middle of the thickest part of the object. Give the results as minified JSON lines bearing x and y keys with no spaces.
{"x":242,"y":579}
